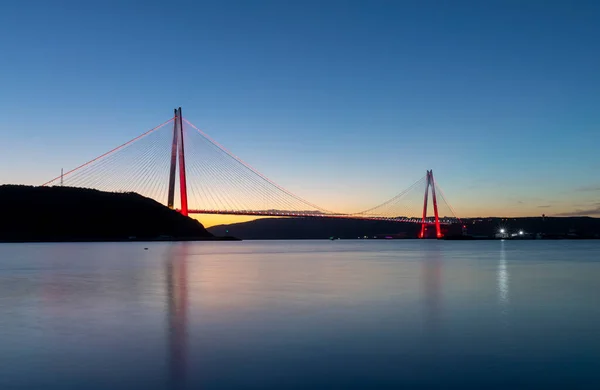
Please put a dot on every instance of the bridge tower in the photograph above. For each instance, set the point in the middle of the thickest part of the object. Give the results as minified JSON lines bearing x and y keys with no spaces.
{"x":430,"y":183}
{"x":178,"y":153}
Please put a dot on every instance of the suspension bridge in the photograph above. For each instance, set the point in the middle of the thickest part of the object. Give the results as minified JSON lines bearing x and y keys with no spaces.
{"x":179,"y":165}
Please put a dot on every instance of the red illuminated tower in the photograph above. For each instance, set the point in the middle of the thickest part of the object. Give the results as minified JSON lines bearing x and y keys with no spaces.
{"x":424,"y":223}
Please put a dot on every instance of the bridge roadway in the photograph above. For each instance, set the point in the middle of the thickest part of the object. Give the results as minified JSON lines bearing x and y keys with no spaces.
{"x":277,"y":213}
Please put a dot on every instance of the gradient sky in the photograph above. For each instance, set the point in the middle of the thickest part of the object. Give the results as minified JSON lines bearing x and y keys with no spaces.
{"x":345,"y":103}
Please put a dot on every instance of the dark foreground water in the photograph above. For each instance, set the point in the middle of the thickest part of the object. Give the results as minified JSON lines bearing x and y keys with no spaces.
{"x":301,"y":315}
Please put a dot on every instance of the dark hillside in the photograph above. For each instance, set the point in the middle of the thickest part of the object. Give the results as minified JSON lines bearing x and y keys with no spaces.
{"x":315,"y":228}
{"x":322,"y":228}
{"x":74,"y":214}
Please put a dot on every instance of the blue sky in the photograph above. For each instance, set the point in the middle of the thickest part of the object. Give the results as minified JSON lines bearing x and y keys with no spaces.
{"x":333,"y":100}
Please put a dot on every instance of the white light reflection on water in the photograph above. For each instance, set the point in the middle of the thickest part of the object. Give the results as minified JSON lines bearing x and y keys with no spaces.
{"x":503,"y":278}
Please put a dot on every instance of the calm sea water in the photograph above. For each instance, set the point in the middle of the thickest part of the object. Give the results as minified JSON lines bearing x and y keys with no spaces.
{"x":301,"y":315}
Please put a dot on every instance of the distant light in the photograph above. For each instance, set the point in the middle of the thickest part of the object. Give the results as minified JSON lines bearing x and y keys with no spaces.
{"x":520,"y":232}
{"x":502,"y":230}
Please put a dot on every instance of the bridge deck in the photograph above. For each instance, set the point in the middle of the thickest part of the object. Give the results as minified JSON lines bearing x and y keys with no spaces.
{"x":275,"y":213}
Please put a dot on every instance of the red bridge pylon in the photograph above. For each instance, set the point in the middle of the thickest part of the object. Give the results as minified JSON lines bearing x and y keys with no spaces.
{"x":430,"y":183}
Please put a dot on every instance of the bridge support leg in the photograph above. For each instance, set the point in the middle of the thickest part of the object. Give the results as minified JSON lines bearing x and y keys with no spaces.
{"x":182,"y":180}
{"x":430,"y":183}
{"x":425,"y":198}
{"x":178,"y":151}
{"x":174,"y":147}
{"x":438,"y":230}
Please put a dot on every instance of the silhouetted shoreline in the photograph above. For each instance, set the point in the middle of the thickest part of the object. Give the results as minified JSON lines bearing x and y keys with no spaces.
{"x":474,"y":229}
{"x":67,"y":214}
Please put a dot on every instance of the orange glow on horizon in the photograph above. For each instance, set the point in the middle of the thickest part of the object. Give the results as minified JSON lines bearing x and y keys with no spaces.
{"x":209,"y":220}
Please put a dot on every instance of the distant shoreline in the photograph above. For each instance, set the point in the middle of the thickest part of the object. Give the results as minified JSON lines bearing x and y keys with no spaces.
{"x":520,"y":239}
{"x":547,"y":228}
{"x":229,"y":239}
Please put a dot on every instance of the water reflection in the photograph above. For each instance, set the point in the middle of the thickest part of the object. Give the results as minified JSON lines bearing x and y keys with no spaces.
{"x":431,"y":280}
{"x":177,"y":296}
{"x":383,"y":315}
{"x":502,"y":278}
